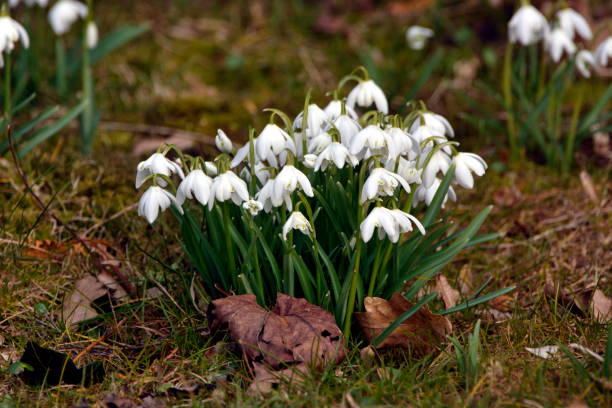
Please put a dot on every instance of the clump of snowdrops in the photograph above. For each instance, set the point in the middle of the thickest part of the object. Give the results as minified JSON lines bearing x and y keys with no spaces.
{"x":550,"y":62}
{"x":26,"y":72}
{"x":331,"y":206}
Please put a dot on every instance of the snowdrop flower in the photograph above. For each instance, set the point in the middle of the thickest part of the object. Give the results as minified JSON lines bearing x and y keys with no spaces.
{"x":373,"y":140}
{"x":91,"y":35}
{"x":271,"y":142}
{"x":333,"y":110}
{"x":252,"y":206}
{"x":211,"y":168}
{"x":225,"y":186}
{"x":557,"y":41}
{"x":195,"y":185}
{"x":426,"y":194}
{"x":157,"y":164}
{"x":264,"y":196}
{"x":381,"y":182}
{"x":242,"y":154}
{"x":389,"y":222}
{"x":404,"y":144}
{"x":439,"y":161}
{"x":465,"y":163}
{"x":64,"y":13}
{"x":347,"y":127}
{"x":223,"y":143}
{"x":11,"y":32}
{"x":367,"y":93}
{"x":573,"y":23}
{"x":318,"y":143}
{"x":585,"y":61}
{"x":603,"y":52}
{"x":287,"y":181}
{"x":154,"y":199}
{"x":336,"y":153}
{"x":296,"y":221}
{"x":527,"y":26}
{"x":310,"y":160}
{"x":437,"y":124}
{"x":417,"y":36}
{"x":315,"y":121}
{"x":261,"y":172}
{"x":406,"y":169}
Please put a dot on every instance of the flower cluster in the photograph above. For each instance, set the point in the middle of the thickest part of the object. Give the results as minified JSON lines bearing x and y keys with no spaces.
{"x":560,"y":36}
{"x":401,"y":160}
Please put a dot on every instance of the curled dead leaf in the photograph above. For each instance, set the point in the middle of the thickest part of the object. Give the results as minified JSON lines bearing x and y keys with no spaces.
{"x":421,"y":332}
{"x":294,"y":332}
{"x":449,"y":295}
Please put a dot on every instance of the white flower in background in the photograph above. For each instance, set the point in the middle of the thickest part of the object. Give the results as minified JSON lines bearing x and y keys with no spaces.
{"x":223,"y":143}
{"x":309,"y":160}
{"x":298,"y":222}
{"x":211,"y":168}
{"x":318,"y":143}
{"x":195,"y":185}
{"x":439,"y":161}
{"x":10,"y":33}
{"x":417,"y":36}
{"x":404,"y":144}
{"x":465,"y":164}
{"x":287,"y":181}
{"x":154,"y":199}
{"x":426,"y":194}
{"x":64,"y":13}
{"x":225,"y":186}
{"x":264,"y":196}
{"x":437,"y":124}
{"x":407,"y":169}
{"x":381,"y":182}
{"x":242,"y":154}
{"x":604,"y":52}
{"x":389,"y":222}
{"x":574,"y":23}
{"x":252,"y":206}
{"x":336,"y":153}
{"x":271,"y":142}
{"x":585,"y":62}
{"x":557,"y":42}
{"x":157,"y":164}
{"x":527,"y":26}
{"x":347,"y":127}
{"x":92,"y":35}
{"x":315,"y":121}
{"x":367,"y":93}
{"x":261,"y":172}
{"x":29,"y":3}
{"x":372,"y":140}
{"x":333,"y":110}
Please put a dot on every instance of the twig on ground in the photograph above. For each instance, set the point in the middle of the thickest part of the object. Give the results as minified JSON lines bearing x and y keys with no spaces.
{"x":112,"y":217}
{"x":99,"y":340}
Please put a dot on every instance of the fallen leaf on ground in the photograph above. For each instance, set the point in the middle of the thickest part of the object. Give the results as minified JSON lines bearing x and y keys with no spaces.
{"x":578,"y":403}
{"x":294,"y":332}
{"x":450,"y":295}
{"x":545,"y":352}
{"x":588,"y":186}
{"x":420,"y":332}
{"x":593,"y":300}
{"x":267,"y":379}
{"x":90,"y":296}
{"x":601,"y":306}
{"x":466,"y":280}
{"x":51,"y":367}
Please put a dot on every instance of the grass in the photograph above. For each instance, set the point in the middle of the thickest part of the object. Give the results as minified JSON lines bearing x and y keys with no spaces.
{"x":552,"y":232}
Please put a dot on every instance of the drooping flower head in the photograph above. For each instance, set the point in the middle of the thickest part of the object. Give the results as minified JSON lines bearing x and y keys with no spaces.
{"x":366,"y":93}
{"x":157,"y":164}
{"x":298,"y":222}
{"x":153,"y":200}
{"x":195,"y":185}
{"x":91,"y":34}
{"x":417,"y":36}
{"x":390,"y":223}
{"x":334,"y":153}
{"x":372,"y":140}
{"x":381,"y":182}
{"x":557,"y":43}
{"x":64,"y":13}
{"x":465,"y":164}
{"x":223,"y":143}
{"x":10,"y":33}
{"x":271,"y":142}
{"x":585,"y":62}
{"x":527,"y":26}
{"x":228,"y":186}
{"x":604,"y":52}
{"x":574,"y":23}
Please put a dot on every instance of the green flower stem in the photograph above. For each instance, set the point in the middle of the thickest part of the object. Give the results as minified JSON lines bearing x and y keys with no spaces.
{"x":375,"y":269}
{"x":258,"y":275}
{"x":87,"y":116}
{"x":60,"y":68}
{"x":353,"y":292}
{"x":228,"y":243}
{"x":507,"y":88}
{"x":7,"y":86}
{"x":569,"y":147}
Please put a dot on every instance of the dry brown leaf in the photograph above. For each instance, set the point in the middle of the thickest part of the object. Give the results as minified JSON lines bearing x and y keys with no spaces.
{"x":267,"y":380}
{"x":294,"y":332}
{"x":450,"y":295}
{"x":89,"y":291}
{"x":420,"y":332}
{"x":466,"y":280}
{"x":588,"y":186}
{"x":601,"y":307}
{"x":578,"y":403}
{"x":593,"y":300}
